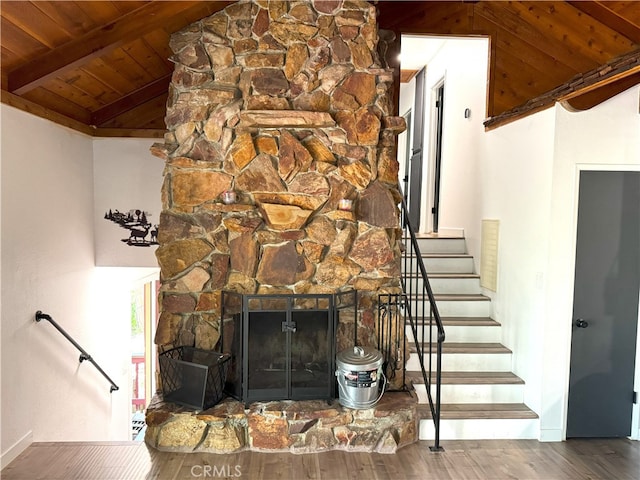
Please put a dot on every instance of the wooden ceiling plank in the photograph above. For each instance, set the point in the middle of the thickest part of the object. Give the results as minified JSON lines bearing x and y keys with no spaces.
{"x":158,"y":41}
{"x":128,"y":68}
{"x":407,"y":75}
{"x":559,"y":21}
{"x":532,"y":36}
{"x":102,"y":71}
{"x":145,"y":56}
{"x":101,"y":12}
{"x":22,"y":46}
{"x":439,"y":18}
{"x":32,"y":21}
{"x":53,"y":101}
{"x":601,"y":12}
{"x":125,"y":7}
{"x":43,"y":112}
{"x":68,"y":16}
{"x":142,"y":114}
{"x":91,"y":85}
{"x":544,"y":72}
{"x":133,"y":100}
{"x":626,"y":9}
{"x":72,"y":94}
{"x":95,"y":43}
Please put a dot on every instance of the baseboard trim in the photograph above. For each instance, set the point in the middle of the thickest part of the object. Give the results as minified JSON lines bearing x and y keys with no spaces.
{"x":16,"y":449}
{"x":554,"y":435}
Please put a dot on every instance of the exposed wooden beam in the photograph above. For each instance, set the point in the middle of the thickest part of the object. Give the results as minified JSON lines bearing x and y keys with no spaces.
{"x":603,"y":14}
{"x":129,"y":132}
{"x":128,"y":102}
{"x":77,"y":52}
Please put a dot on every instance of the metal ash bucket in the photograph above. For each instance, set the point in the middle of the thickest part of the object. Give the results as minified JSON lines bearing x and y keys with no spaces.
{"x":359,"y":372}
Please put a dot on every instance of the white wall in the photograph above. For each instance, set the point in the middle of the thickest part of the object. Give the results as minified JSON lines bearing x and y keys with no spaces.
{"x":515,"y":187}
{"x":47,"y":263}
{"x":462,"y":64}
{"x":606,"y":137}
{"x":126,"y":176}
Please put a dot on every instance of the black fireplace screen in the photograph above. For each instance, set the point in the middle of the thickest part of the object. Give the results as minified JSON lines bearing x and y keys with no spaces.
{"x":282,"y":346}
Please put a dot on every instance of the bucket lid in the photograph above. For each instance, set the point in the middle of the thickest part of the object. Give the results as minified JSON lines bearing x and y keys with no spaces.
{"x":359,"y":358}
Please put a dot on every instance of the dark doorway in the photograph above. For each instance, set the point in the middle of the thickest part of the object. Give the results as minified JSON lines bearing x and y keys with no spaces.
{"x":407,"y":155}
{"x":415,"y":171}
{"x":605,"y":305}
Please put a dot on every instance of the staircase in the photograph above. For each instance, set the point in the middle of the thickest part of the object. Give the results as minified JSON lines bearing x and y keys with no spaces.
{"x":480,"y":397}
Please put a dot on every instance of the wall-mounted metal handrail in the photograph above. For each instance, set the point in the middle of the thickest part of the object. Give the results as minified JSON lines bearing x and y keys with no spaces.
{"x":83,"y":353}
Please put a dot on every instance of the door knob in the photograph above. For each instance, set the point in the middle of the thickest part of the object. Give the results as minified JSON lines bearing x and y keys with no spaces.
{"x":581,"y":323}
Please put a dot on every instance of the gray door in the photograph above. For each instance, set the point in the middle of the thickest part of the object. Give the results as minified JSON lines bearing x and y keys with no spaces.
{"x":415,"y":170}
{"x":605,"y":305}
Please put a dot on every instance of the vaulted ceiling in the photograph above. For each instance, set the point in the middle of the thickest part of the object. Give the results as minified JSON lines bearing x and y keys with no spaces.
{"x":102,"y":67}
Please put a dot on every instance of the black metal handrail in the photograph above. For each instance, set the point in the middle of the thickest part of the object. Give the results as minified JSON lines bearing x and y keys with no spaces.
{"x":416,"y":298}
{"x":83,"y":353}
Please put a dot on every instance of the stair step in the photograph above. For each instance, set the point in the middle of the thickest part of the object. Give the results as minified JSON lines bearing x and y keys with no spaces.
{"x":450,"y":275}
{"x":441,"y":263}
{"x":452,"y":297}
{"x":469,"y":348}
{"x":470,"y":378}
{"x":463,"y":283}
{"x":458,"y":411}
{"x":455,"y":305}
{"x":463,"y":307}
{"x":463,"y":329}
{"x":469,"y":322}
{"x":442,"y":244}
{"x":471,"y":387}
{"x":461,"y":297}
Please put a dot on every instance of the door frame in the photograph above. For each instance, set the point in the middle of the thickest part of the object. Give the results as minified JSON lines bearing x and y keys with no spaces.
{"x":635,"y":416}
{"x":428,"y":185}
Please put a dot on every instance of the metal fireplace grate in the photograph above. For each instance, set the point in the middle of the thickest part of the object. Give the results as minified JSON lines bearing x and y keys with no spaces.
{"x":283,"y":346}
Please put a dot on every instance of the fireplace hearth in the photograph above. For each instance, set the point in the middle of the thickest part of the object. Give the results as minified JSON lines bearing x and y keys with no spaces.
{"x":283,"y":347}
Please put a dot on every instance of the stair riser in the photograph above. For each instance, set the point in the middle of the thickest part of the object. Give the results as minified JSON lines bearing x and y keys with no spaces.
{"x":513,"y":393}
{"x":442,"y":265}
{"x":465,"y":362}
{"x":467,"y":286}
{"x":481,"y":429}
{"x":458,"y":308}
{"x":465,"y":334}
{"x":442,"y":245}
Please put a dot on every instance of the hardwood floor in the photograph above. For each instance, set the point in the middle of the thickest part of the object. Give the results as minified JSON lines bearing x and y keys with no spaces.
{"x":486,"y":460}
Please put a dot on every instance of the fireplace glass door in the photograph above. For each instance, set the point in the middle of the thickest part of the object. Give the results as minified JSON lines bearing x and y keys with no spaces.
{"x":282,"y":346}
{"x":288,"y":354}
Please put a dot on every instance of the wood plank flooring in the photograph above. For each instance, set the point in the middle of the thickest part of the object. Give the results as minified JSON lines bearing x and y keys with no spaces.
{"x":483,"y":460}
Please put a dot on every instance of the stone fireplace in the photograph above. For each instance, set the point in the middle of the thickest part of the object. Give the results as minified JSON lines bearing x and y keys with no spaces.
{"x":281,"y":170}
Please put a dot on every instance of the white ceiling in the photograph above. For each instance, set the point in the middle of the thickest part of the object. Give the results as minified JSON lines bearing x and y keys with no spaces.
{"x":417,"y":51}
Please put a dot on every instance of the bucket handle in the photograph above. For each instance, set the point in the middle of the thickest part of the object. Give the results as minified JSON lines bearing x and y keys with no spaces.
{"x":372,"y":402}
{"x":358,"y":351}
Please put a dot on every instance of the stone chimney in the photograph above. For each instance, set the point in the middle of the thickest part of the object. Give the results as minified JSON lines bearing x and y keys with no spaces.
{"x":289,"y":106}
